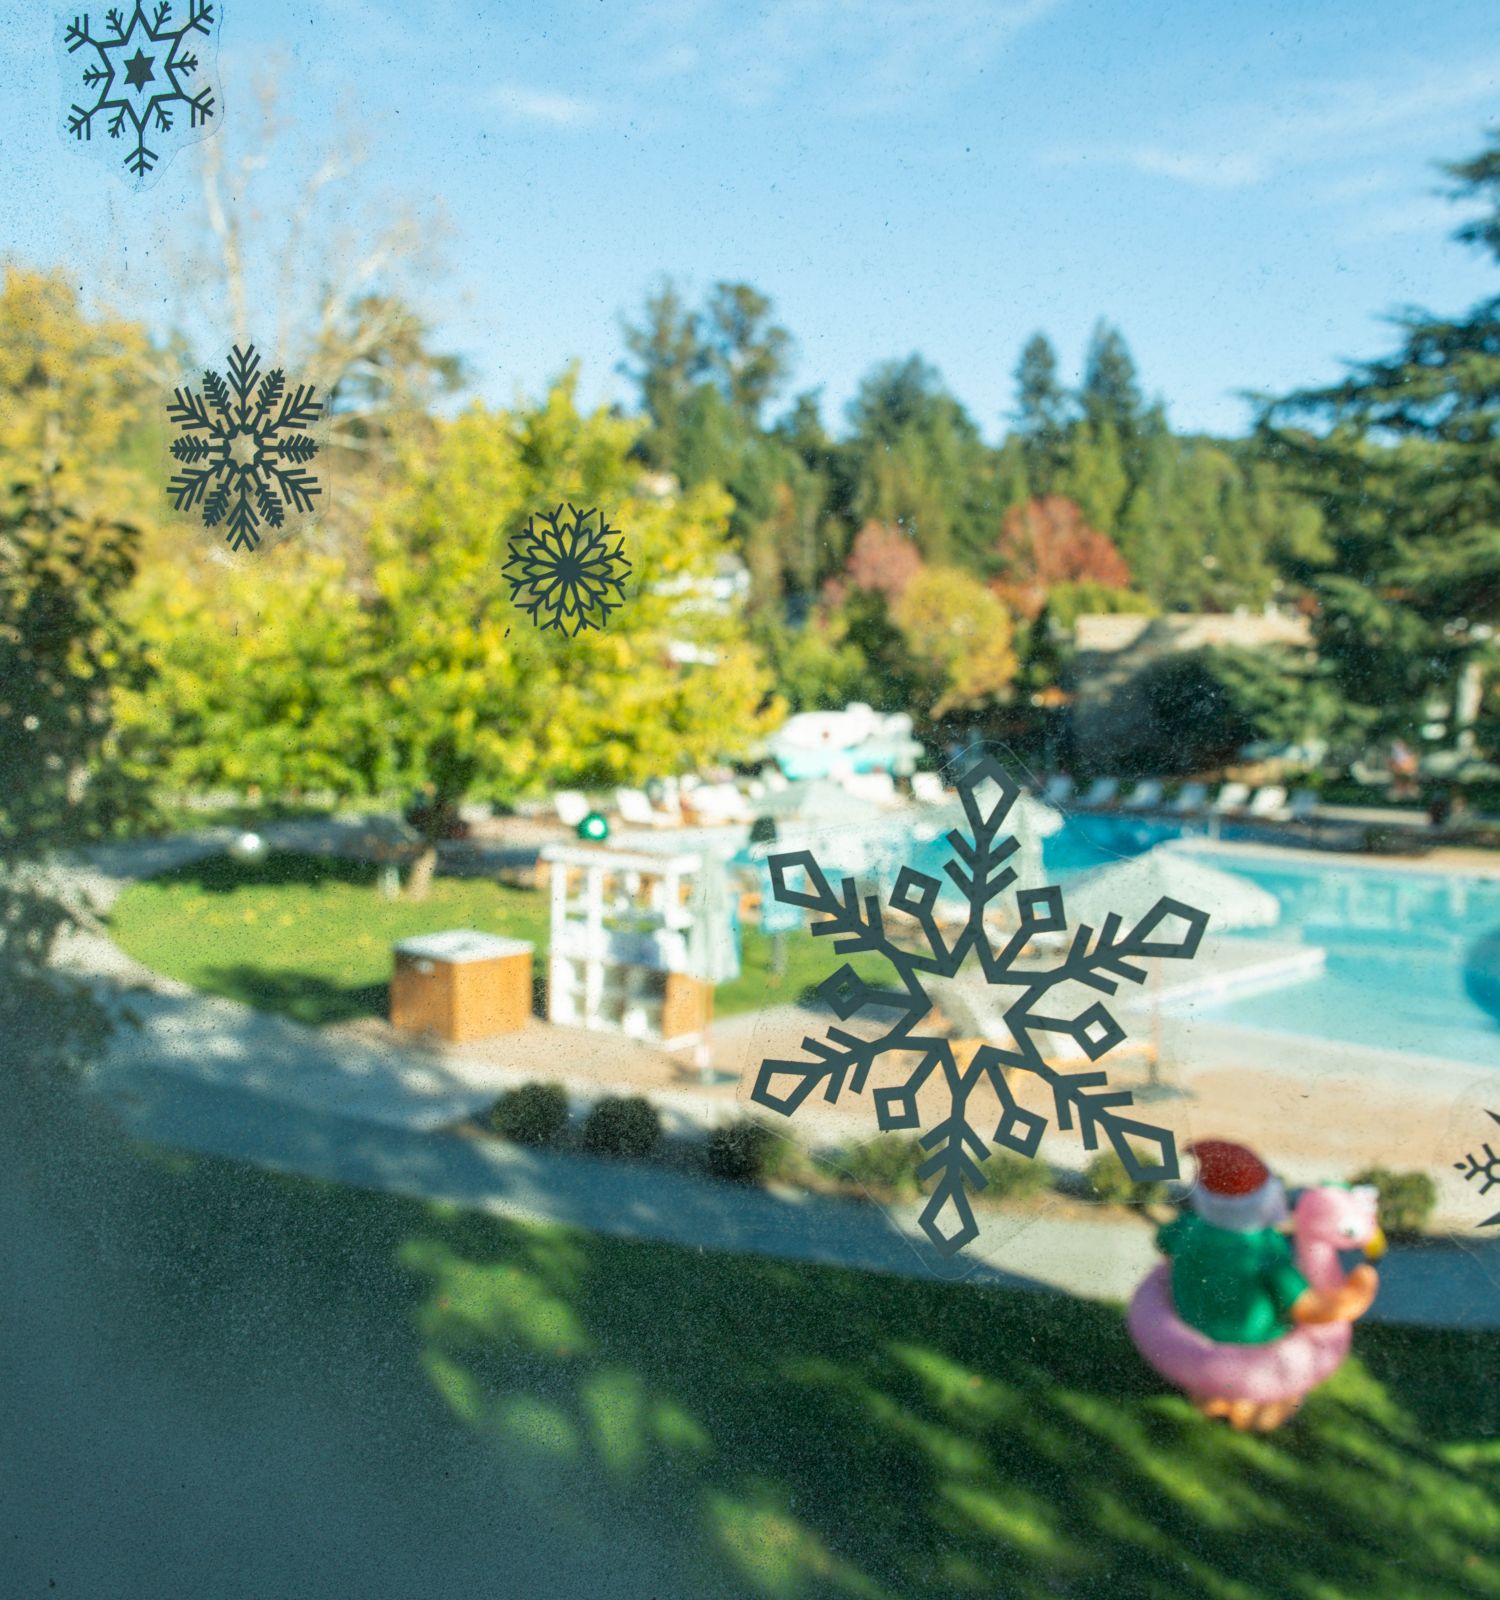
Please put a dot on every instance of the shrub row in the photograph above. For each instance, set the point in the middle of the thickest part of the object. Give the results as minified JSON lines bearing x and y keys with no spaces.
{"x":748,"y":1151}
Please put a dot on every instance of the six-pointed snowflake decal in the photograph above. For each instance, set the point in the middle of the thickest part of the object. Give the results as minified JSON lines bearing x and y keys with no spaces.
{"x":564,"y":573}
{"x":1486,"y":1172}
{"x":1097,"y":961}
{"x":242,"y":449}
{"x":143,"y":72}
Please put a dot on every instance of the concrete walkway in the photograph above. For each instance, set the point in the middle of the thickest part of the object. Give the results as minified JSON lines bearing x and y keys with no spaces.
{"x":210,"y":1076}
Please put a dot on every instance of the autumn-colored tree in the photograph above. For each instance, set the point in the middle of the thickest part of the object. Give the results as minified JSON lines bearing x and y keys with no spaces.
{"x":1046,"y":542}
{"x":881,"y":560}
{"x":960,"y":636}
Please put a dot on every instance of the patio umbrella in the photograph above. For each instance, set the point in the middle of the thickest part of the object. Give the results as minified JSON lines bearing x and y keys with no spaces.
{"x":1132,"y":887}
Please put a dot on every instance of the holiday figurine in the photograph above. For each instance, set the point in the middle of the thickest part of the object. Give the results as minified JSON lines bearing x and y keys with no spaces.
{"x":1244,"y":1320}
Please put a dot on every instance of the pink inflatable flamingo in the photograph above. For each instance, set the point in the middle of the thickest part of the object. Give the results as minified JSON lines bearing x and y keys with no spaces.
{"x":1261,"y":1385}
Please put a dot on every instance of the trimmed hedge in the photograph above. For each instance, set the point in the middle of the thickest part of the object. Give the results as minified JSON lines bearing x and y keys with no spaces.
{"x":742,"y":1152}
{"x":622,"y":1126}
{"x":536,"y":1114}
{"x":1406,"y":1201}
{"x":1106,"y":1178}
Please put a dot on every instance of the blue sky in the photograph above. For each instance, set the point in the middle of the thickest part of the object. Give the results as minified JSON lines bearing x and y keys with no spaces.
{"x":1244,"y":189}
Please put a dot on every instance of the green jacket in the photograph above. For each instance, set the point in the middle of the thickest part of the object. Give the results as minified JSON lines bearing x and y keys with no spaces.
{"x":1237,"y":1288}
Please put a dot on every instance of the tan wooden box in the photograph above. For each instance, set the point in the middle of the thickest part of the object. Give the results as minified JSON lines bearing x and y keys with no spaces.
{"x":687,"y":1007}
{"x":461,"y":985}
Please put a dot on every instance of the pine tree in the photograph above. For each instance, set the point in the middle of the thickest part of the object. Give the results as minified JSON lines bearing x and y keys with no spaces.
{"x":1043,"y":414}
{"x":1111,"y":393}
{"x":1408,"y":478}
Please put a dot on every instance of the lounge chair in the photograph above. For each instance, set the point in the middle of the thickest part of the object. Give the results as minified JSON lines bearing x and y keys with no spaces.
{"x":1233,"y":797}
{"x":1146,"y":796}
{"x":1191,"y":797}
{"x":878,"y":787}
{"x":1267,"y":803}
{"x":571,"y":807}
{"x":637,"y":810}
{"x":1304,"y":805}
{"x":975,"y":1013}
{"x":1059,"y":789}
{"x":718,"y":802}
{"x":1102,"y":792}
{"x":927,"y":788}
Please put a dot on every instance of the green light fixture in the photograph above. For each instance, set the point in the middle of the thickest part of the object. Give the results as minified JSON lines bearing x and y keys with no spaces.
{"x":593,"y":828}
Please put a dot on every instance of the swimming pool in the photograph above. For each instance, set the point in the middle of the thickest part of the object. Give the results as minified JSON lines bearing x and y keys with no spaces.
{"x":1413,"y":957}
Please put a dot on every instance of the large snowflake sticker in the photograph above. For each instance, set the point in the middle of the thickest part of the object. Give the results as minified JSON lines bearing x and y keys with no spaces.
{"x":1099,"y":961}
{"x":243,"y":449}
{"x":1485,"y":1172}
{"x":144,"y":72}
{"x":564,"y":573}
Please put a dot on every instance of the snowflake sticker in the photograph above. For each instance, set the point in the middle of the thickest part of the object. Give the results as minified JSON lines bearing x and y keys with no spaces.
{"x":144,"y":77}
{"x":1097,"y":961}
{"x":564,"y":573}
{"x":244,"y":449}
{"x":1485,"y":1173}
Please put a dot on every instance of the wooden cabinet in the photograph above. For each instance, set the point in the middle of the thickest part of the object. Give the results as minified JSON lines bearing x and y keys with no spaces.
{"x":461,"y":985}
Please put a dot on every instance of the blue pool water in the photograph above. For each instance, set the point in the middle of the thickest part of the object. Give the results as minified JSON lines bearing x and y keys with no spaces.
{"x":1413,"y":958}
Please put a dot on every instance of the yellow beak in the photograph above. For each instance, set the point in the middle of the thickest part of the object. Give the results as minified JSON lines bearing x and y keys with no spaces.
{"x":1375,"y":1247}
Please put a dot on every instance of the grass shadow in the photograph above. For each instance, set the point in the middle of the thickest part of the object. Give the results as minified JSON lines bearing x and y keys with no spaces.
{"x":301,"y":996}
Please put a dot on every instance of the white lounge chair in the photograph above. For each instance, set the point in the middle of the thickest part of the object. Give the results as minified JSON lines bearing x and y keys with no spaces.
{"x":1102,"y":792}
{"x":1059,"y":789}
{"x":927,"y":788}
{"x":1146,"y":796}
{"x":1267,"y":803}
{"x":1232,"y":797}
{"x":1191,"y":797}
{"x":718,"y":802}
{"x":1304,"y":805}
{"x":571,"y":807}
{"x":878,"y":787}
{"x":637,"y":810}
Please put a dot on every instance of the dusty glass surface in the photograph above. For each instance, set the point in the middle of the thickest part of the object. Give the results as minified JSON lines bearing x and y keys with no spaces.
{"x":749,"y":798}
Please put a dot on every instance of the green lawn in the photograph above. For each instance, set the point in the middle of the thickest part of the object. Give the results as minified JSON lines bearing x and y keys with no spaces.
{"x":311,"y":936}
{"x":806,"y":1432}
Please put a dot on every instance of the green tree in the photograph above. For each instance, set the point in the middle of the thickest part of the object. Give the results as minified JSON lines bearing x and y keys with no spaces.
{"x":1043,"y":415}
{"x":1110,"y":395}
{"x":421,"y":677}
{"x":960,"y":637}
{"x":669,"y":360}
{"x":1095,"y":475}
{"x":1407,"y":476}
{"x":747,"y":354}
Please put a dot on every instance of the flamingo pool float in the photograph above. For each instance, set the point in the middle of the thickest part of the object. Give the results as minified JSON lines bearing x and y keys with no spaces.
{"x":1261,"y":1385}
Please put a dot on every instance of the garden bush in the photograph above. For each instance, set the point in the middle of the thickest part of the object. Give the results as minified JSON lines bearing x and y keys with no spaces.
{"x":887,"y":1162}
{"x":622,"y":1126}
{"x":1106,"y":1179}
{"x":1013,"y":1177}
{"x":743,"y":1152}
{"x":1406,"y":1198}
{"x":536,"y":1113}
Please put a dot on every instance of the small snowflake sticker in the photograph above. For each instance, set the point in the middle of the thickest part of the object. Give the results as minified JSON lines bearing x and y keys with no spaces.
{"x":244,"y":449}
{"x":1169,"y":931}
{"x":145,"y":79}
{"x":1485,"y":1172}
{"x":565,"y":574}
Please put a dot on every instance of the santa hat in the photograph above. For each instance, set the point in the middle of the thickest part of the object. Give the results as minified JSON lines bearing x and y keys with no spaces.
{"x":1235,"y":1188}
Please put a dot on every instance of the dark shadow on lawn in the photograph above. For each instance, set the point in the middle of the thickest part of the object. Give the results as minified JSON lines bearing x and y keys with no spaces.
{"x":306,"y":999}
{"x":222,"y":874}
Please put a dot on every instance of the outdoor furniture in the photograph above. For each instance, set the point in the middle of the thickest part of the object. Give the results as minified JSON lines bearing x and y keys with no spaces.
{"x":1146,"y":795}
{"x":1233,"y":797}
{"x":1102,"y":792}
{"x":927,"y":788}
{"x":877,"y":786}
{"x":1191,"y":797}
{"x":461,"y":985}
{"x":1267,"y":803}
{"x":621,"y":957}
{"x":718,"y":803}
{"x":571,"y":807}
{"x":638,"y":811}
{"x":1059,"y":789}
{"x":1304,"y":805}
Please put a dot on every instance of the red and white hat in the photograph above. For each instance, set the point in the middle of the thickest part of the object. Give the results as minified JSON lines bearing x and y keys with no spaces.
{"x":1235,"y":1188}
